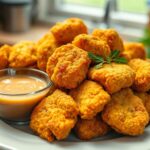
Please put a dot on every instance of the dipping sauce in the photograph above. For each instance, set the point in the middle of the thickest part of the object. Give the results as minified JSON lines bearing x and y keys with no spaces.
{"x":20,"y":91}
{"x":20,"y":84}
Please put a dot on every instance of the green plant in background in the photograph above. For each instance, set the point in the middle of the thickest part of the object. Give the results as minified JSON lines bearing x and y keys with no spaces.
{"x":146,"y":41}
{"x":146,"y":38}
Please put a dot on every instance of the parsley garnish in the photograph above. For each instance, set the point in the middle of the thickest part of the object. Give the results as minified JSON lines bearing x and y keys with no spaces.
{"x":113,"y":57}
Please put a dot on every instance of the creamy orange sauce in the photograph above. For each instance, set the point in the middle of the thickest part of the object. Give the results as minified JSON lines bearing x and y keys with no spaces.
{"x":20,"y":84}
{"x":19,"y":107}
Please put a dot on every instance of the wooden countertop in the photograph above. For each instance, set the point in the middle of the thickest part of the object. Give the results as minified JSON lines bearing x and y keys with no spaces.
{"x":34,"y":34}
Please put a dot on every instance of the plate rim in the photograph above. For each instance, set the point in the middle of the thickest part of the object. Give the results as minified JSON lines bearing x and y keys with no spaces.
{"x":125,"y":142}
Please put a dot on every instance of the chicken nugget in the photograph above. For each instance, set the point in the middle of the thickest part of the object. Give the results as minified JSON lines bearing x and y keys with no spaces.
{"x":46,"y":46}
{"x":64,"y":32}
{"x":88,"y":129}
{"x":111,"y":37}
{"x":142,"y":78}
{"x":126,"y":113}
{"x":92,"y":44}
{"x":47,"y":36}
{"x":91,"y":98}
{"x":113,"y":76}
{"x":67,"y":66}
{"x":145,"y":99}
{"x":4,"y":55}
{"x":54,"y":116}
{"x":23,"y":54}
{"x":134,"y":50}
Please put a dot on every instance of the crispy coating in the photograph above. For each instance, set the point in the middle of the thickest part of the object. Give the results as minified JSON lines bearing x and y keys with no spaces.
{"x":47,"y":36}
{"x":137,"y":63}
{"x":91,"y":98}
{"x":134,"y":50}
{"x":111,"y":37}
{"x":126,"y":113}
{"x":142,"y":78}
{"x":23,"y":54}
{"x":92,"y":44}
{"x":46,"y":46}
{"x":4,"y":55}
{"x":113,"y":76}
{"x":145,"y":99}
{"x":54,"y":117}
{"x":65,"y":31}
{"x":67,"y":66}
{"x":88,"y":129}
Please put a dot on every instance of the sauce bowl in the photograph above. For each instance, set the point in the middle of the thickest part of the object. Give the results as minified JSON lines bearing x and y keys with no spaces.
{"x":16,"y":108}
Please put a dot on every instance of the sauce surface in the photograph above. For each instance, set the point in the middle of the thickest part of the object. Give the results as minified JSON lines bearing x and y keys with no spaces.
{"x":20,"y":84}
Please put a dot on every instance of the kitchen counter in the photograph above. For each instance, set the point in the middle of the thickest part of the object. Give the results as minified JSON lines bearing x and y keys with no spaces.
{"x":34,"y":34}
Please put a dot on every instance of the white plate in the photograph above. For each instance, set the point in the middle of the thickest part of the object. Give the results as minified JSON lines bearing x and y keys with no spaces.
{"x":21,"y":138}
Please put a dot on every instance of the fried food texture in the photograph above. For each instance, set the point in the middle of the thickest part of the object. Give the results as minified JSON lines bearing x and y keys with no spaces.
{"x":111,"y":37}
{"x":23,"y":54}
{"x":126,"y":113}
{"x":92,"y":44}
{"x":89,"y":129}
{"x":134,"y":50}
{"x":67,"y":66}
{"x":91,"y":98}
{"x":113,"y":76}
{"x":145,"y":99}
{"x":64,"y":32}
{"x":46,"y":47}
{"x":142,"y":78}
{"x":54,"y":117}
{"x":4,"y":56}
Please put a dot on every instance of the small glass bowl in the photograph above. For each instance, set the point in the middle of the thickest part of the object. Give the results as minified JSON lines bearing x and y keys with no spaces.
{"x":17,"y":108}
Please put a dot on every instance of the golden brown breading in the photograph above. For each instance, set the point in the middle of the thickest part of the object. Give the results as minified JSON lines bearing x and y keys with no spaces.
{"x":134,"y":50}
{"x":67,"y":66}
{"x":46,"y":46}
{"x":45,"y":37}
{"x":126,"y":113}
{"x":92,"y":44}
{"x":113,"y":76}
{"x":136,"y":63}
{"x":4,"y":55}
{"x":145,"y":99}
{"x":65,"y":31}
{"x":111,"y":37}
{"x":55,"y":116}
{"x":23,"y":54}
{"x":91,"y":98}
{"x":88,"y":129}
{"x":142,"y":78}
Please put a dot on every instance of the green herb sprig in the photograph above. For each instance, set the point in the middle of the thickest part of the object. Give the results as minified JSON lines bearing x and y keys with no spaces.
{"x":113,"y":57}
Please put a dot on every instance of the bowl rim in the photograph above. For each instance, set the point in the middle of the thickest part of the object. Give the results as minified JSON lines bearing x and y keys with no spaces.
{"x":30,"y":93}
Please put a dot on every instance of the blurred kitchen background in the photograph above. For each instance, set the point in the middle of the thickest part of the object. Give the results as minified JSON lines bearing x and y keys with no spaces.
{"x":31,"y":19}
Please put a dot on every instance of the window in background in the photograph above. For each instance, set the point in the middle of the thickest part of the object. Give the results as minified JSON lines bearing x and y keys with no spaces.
{"x":130,"y":16}
{"x":93,"y":3}
{"x":132,"y":6}
{"x":90,"y":9}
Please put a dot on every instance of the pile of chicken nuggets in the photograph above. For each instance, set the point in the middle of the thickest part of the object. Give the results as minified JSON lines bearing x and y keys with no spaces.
{"x":88,"y":101}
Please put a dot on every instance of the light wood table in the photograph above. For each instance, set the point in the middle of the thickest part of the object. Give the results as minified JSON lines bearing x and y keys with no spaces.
{"x":34,"y":34}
